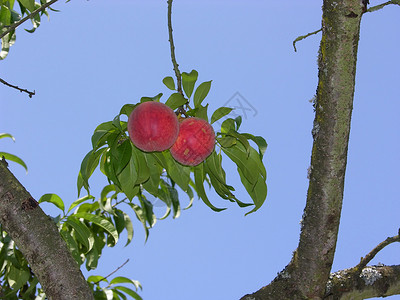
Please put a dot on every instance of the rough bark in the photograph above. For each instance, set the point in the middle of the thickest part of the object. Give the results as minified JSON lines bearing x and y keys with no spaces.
{"x":37,"y":237}
{"x":307,"y":274}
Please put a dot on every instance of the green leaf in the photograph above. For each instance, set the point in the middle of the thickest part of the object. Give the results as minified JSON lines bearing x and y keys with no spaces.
{"x":143,"y":172}
{"x":83,"y":233}
{"x":238,"y":121}
{"x":201,"y":112}
{"x":188,"y":82}
{"x":155,"y":170}
{"x":96,"y":278}
{"x":176,"y":100}
{"x":127,"y":109}
{"x":220,"y":113}
{"x":129,"y":228}
{"x":258,"y":191}
{"x":246,"y":164}
{"x":72,"y":246}
{"x":169,"y":82}
{"x":17,"y":277}
{"x":178,"y":173}
{"x":6,"y":42}
{"x":121,"y":155}
{"x":227,"y":141}
{"x":227,"y":125}
{"x":54,"y":199}
{"x":129,"y":292}
{"x":260,"y":141}
{"x":121,"y":279}
{"x":201,"y":93}
{"x":127,"y":179}
{"x":148,"y":210}
{"x":88,"y":165}
{"x":100,"y":221}
{"x":79,"y":201}
{"x":199,"y":178}
{"x":155,"y":98}
{"x":13,"y":158}
{"x":141,"y":216}
{"x":92,"y":259}
{"x":6,"y":135}
{"x":241,"y":138}
{"x":29,"y":4}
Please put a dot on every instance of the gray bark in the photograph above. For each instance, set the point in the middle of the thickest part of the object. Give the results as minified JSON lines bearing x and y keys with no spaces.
{"x":37,"y":237}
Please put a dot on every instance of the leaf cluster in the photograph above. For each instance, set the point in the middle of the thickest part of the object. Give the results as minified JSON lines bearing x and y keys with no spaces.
{"x":10,"y":14}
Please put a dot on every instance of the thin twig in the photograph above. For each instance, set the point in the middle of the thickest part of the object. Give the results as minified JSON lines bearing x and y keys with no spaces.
{"x":380,"y":6}
{"x":171,"y":41}
{"x":30,"y":94}
{"x":302,"y":37}
{"x":121,"y":266}
{"x":30,"y":16}
{"x":365,"y":260}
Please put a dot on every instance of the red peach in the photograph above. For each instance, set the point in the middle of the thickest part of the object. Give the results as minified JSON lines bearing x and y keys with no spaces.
{"x":195,"y":142}
{"x":153,"y":126}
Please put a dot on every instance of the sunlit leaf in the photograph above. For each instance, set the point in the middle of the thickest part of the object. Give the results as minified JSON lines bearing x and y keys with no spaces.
{"x":176,"y":100}
{"x":129,"y":292}
{"x":6,"y":135}
{"x":13,"y":158}
{"x":83,"y":233}
{"x":188,"y":82}
{"x":201,"y":93}
{"x":169,"y":82}
{"x":100,"y":221}
{"x":220,"y":113}
{"x":54,"y":199}
{"x":79,"y":201}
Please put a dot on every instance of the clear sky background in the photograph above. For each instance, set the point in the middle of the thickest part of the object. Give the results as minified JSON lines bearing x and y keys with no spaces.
{"x":95,"y":56}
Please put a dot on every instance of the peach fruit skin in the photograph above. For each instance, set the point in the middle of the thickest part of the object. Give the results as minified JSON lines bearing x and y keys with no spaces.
{"x":153,"y":126}
{"x":195,"y":142}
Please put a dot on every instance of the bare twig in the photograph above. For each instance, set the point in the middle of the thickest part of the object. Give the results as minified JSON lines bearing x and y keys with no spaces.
{"x":171,"y":41}
{"x":302,"y":37}
{"x":31,"y":15}
{"x":30,"y":94}
{"x":365,"y":260}
{"x":380,"y":6}
{"x":120,"y":267}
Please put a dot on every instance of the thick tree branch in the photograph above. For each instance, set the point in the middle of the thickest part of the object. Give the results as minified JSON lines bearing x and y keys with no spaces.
{"x":306,"y":275}
{"x":30,"y":94}
{"x":38,"y":239}
{"x":372,"y":281}
{"x":31,"y":15}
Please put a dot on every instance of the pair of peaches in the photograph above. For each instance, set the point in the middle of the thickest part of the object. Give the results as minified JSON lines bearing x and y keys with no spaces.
{"x":153,"y":126}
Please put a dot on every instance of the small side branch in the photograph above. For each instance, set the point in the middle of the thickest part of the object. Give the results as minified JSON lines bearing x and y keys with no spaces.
{"x":365,"y":260}
{"x":380,"y":6}
{"x":302,"y":37}
{"x":120,"y":267}
{"x":30,"y":16}
{"x":171,"y":42}
{"x":30,"y":94}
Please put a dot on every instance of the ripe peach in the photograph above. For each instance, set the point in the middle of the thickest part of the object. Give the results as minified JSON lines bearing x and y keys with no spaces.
{"x":195,"y":142}
{"x":153,"y":126}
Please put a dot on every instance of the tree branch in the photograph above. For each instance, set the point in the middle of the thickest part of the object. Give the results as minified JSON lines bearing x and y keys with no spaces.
{"x":30,"y":94}
{"x":305,"y":277}
{"x":171,"y":42}
{"x":37,"y":237}
{"x":31,"y":15}
{"x":372,"y":281}
{"x":365,"y":260}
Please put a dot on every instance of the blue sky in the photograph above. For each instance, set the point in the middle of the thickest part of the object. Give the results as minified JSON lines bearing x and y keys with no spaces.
{"x":95,"y":56}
